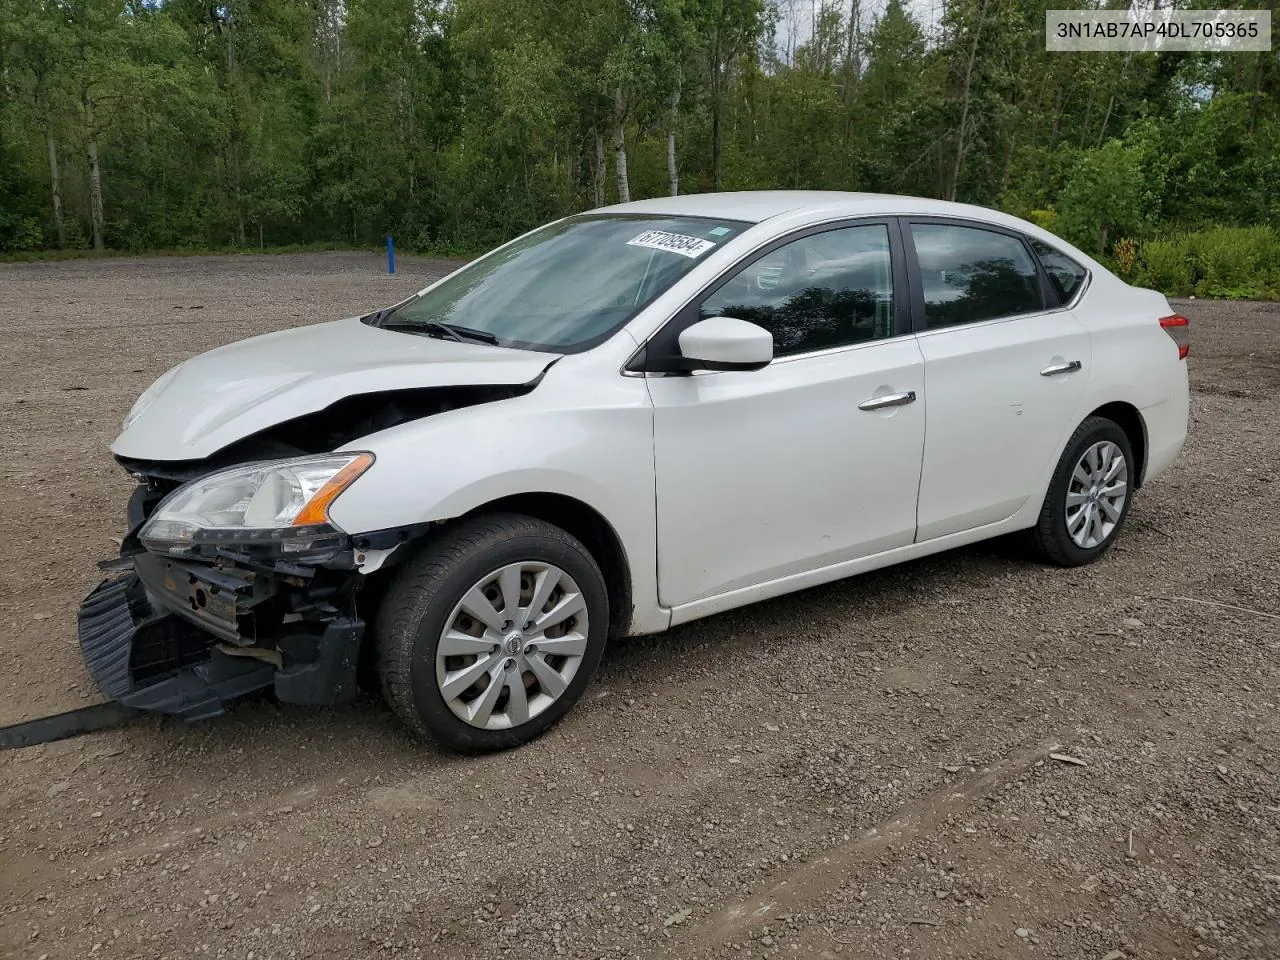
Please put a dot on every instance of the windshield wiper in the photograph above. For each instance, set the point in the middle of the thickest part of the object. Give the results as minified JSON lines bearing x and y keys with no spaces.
{"x":441,"y":329}
{"x":375,"y":319}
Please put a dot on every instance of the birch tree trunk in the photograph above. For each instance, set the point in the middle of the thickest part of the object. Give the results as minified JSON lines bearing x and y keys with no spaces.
{"x":95,"y":175}
{"x":239,"y":194}
{"x":1106,"y":117}
{"x":717,"y":169}
{"x":237,"y":188}
{"x":964,"y":112}
{"x":56,"y":181}
{"x":673,"y":174}
{"x":620,"y":147}
{"x":851,"y":46}
{"x":598,"y":184}
{"x":326,"y":38}
{"x":852,"y":69}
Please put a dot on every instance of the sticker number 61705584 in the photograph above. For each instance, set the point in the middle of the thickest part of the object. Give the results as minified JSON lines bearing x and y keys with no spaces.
{"x":691,"y":247}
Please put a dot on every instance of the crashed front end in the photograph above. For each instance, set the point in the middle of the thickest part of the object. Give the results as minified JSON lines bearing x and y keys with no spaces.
{"x":226,"y":584}
{"x":232,"y":577}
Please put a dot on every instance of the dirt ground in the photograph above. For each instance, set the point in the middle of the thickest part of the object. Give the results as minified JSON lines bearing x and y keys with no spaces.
{"x":859,"y":771}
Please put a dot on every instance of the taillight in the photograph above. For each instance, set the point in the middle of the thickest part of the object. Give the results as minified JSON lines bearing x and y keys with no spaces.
{"x":1179,"y":328}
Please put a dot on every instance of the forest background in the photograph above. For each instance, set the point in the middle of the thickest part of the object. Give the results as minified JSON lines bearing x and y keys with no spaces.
{"x":191,"y":125}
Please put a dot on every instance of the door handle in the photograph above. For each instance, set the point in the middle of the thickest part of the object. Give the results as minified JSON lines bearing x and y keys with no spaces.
{"x":890,"y":400}
{"x":1054,"y":369}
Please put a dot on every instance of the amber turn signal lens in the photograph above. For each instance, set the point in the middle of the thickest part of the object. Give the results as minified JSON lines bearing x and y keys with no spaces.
{"x":317,"y":508}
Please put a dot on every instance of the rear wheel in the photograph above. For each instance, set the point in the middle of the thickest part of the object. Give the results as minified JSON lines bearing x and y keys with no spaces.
{"x":1089,"y":496}
{"x":492,"y":633}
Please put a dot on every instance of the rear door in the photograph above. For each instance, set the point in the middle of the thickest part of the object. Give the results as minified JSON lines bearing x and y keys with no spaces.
{"x":1005,"y":372}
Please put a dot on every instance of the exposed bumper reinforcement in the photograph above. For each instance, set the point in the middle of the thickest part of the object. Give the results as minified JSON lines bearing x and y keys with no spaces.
{"x":150,"y":659}
{"x":158,"y":662}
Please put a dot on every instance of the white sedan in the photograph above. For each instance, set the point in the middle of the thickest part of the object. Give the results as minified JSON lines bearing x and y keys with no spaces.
{"x":620,"y":422}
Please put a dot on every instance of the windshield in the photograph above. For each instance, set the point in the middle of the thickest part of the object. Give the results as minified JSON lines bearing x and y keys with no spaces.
{"x":570,"y":285}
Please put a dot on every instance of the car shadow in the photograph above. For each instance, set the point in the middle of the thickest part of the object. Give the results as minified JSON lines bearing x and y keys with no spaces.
{"x":918,"y":583}
{"x":260,"y":724}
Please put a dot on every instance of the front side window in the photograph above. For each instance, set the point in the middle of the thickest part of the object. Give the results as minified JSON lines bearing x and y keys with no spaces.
{"x":568,"y":286}
{"x":823,"y":290}
{"x":1064,"y":273}
{"x":969,"y":274}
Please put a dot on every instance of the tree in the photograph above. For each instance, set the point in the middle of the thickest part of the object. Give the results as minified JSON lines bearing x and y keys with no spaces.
{"x":41,"y":44}
{"x":726,"y":30}
{"x":1114,"y":190}
{"x":455,"y":124}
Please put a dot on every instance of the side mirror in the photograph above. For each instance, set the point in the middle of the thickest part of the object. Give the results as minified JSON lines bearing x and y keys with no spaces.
{"x":724,"y":343}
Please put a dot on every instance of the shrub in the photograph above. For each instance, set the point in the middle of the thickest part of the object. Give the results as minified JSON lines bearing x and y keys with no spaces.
{"x":1228,"y":262}
{"x":1166,"y":267}
{"x":1126,"y":253}
{"x":1046,"y":219}
{"x":18,"y":231}
{"x":1236,"y":262}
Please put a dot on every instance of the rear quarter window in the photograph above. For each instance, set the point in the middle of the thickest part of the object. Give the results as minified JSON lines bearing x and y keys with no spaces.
{"x":969,"y":274}
{"x":1065,"y":274}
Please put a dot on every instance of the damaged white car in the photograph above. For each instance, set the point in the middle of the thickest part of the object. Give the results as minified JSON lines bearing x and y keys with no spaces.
{"x":620,"y":422}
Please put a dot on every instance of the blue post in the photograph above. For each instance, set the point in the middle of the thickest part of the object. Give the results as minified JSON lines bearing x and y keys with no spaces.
{"x":391,"y":255}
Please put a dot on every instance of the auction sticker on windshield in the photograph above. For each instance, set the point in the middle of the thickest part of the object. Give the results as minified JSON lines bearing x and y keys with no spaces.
{"x":692,"y":247}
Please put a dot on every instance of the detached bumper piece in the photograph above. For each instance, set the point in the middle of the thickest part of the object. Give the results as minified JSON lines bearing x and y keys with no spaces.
{"x":186,"y":638}
{"x":61,"y":726}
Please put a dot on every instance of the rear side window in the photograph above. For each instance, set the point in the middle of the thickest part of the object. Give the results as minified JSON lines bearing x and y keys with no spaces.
{"x":969,"y":274}
{"x":1064,"y":273}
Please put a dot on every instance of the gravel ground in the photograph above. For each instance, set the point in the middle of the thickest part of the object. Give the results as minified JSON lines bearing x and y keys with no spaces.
{"x":862,"y":770}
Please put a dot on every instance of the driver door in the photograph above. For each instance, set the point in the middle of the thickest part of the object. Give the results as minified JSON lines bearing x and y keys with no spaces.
{"x":812,"y":460}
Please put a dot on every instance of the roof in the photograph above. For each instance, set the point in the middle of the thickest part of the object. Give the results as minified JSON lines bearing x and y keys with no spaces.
{"x":758,"y":205}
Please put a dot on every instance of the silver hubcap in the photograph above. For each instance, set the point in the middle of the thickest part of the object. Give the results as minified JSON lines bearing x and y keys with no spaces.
{"x":512,"y":645}
{"x":1096,"y":494}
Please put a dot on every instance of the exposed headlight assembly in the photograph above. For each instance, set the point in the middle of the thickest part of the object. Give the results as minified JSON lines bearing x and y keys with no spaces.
{"x":281,"y":504}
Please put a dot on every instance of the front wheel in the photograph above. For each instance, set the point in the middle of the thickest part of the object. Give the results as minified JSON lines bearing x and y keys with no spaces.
{"x":492,"y":633}
{"x":1089,"y":496}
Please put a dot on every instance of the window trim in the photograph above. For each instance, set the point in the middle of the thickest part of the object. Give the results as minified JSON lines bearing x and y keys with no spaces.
{"x":1084,"y":283}
{"x":919,"y":320}
{"x":653,"y":356}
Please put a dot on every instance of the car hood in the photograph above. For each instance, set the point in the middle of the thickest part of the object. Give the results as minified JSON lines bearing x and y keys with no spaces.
{"x":229,"y":393}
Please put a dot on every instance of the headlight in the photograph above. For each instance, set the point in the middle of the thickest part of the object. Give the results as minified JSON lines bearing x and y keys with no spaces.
{"x":281,"y":504}
{"x":148,"y":396}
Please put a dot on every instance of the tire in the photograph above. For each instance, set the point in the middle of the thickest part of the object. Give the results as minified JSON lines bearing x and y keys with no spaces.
{"x":1052,"y":537}
{"x":540,"y":675}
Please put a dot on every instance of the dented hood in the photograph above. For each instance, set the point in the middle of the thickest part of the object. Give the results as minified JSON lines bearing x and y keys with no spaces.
{"x":229,"y":393}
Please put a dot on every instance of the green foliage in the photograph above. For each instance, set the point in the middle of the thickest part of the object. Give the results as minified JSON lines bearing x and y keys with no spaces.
{"x":1227,"y":262}
{"x":1167,"y":267}
{"x":1218,"y":169}
{"x":1046,"y":218}
{"x":19,"y":206}
{"x":1125,"y":253}
{"x":456,"y":124}
{"x":1114,"y":189}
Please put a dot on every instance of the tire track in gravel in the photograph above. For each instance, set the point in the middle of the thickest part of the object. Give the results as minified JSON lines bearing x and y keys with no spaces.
{"x":821,"y":876}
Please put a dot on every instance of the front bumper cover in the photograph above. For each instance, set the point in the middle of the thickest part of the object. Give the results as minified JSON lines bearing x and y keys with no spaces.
{"x":186,"y":638}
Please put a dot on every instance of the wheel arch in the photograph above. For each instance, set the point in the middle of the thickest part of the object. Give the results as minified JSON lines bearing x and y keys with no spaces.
{"x":1129,"y":419}
{"x":588,"y":525}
